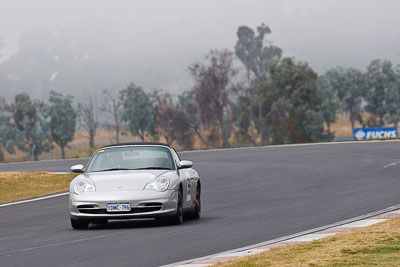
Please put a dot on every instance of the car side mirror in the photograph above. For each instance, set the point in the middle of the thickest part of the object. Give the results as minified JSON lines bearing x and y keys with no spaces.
{"x":184,"y":164}
{"x":78,"y":168}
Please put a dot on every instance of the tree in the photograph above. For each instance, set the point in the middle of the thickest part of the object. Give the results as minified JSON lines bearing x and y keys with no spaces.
{"x":382,"y":94}
{"x":189,"y":117}
{"x":348,"y":86}
{"x":242,"y":119}
{"x":259,"y":60}
{"x":392,"y":100}
{"x":7,"y":130}
{"x":166,"y":117}
{"x":296,"y":114}
{"x":213,"y":87}
{"x":33,"y":131}
{"x":179,"y":121}
{"x":113,"y":105}
{"x":62,"y":119}
{"x":138,"y":111}
{"x":88,"y":114}
{"x":329,"y":109}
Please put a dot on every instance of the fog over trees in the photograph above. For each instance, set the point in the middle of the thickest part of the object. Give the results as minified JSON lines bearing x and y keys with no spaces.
{"x":92,"y":45}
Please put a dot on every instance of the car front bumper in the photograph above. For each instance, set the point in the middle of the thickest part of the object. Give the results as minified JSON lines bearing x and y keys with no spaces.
{"x":144,"y":204}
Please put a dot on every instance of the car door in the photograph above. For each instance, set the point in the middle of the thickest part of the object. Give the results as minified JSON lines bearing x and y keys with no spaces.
{"x":194,"y":178}
{"x":186,"y":178}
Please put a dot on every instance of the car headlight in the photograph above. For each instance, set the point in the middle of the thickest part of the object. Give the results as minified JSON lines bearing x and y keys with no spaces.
{"x":81,"y":186}
{"x":160,"y":184}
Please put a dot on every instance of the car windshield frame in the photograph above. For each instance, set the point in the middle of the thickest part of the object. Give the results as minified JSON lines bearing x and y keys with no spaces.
{"x":90,"y":166}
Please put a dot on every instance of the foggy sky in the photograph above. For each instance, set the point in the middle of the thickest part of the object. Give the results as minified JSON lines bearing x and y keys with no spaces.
{"x":161,"y":38}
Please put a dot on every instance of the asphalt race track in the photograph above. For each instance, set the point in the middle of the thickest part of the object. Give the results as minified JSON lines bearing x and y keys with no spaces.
{"x":249,"y":196}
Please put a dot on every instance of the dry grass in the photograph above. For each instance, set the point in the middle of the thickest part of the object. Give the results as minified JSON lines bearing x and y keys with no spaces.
{"x":21,"y":185}
{"x":79,"y":145}
{"x":342,"y":126}
{"x":377,"y":245}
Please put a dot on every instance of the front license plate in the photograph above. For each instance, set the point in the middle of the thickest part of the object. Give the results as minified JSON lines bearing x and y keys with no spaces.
{"x":115,"y":207}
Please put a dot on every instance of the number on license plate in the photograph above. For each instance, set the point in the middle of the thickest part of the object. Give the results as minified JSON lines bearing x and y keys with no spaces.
{"x":115,"y":207}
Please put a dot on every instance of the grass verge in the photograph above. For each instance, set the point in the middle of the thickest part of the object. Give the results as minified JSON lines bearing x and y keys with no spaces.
{"x":376,"y":245}
{"x":21,"y":185}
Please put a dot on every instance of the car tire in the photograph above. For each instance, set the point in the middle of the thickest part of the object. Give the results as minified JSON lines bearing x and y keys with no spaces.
{"x":178,"y":217}
{"x":197,"y":208}
{"x":79,"y":224}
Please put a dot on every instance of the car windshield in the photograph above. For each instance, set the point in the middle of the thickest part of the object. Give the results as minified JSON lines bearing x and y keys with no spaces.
{"x":131,"y":158}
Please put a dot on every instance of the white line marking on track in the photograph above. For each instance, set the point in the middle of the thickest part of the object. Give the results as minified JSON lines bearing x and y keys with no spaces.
{"x":33,"y":199}
{"x":391,"y":164}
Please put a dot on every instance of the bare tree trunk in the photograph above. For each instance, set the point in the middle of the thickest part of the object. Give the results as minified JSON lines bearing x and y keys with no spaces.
{"x":88,"y":113}
{"x":225,"y":142}
{"x":381,"y":121}
{"x":35,"y":154}
{"x":92,"y":134}
{"x":352,"y":122}
{"x":251,"y":115}
{"x":261,"y":125}
{"x":112,"y":104}
{"x":141,"y":135}
{"x":62,"y":152}
{"x":117,"y":133}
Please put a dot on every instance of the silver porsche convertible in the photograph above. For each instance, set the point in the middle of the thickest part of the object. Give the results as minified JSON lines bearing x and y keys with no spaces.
{"x":134,"y":180}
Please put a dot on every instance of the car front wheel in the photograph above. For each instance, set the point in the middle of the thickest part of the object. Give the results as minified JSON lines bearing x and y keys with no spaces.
{"x":79,"y":224}
{"x":178,"y":217}
{"x":197,"y":208}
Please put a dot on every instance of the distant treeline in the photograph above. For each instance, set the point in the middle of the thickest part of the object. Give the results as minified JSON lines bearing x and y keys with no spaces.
{"x":251,"y":95}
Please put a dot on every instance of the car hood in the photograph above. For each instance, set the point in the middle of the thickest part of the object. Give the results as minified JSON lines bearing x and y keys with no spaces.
{"x":123,"y":180}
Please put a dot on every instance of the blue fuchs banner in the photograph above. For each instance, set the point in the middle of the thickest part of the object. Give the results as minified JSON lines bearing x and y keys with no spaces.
{"x":375,"y":133}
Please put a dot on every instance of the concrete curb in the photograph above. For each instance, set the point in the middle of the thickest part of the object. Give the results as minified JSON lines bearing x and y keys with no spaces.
{"x":306,"y":236}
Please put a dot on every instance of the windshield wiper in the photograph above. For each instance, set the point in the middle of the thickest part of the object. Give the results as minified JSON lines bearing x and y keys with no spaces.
{"x":154,"y":168}
{"x":114,"y":169}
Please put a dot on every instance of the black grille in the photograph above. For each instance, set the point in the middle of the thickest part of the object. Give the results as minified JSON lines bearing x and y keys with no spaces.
{"x":153,"y":204}
{"x":145,"y":209}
